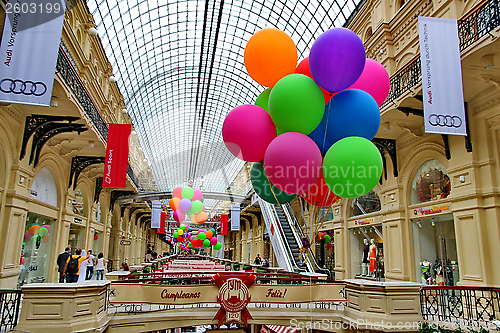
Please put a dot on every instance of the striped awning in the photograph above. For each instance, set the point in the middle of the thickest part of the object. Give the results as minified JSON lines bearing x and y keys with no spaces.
{"x":279,"y":329}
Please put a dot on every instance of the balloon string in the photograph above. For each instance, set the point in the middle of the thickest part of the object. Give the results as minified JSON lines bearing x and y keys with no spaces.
{"x":322,"y":221}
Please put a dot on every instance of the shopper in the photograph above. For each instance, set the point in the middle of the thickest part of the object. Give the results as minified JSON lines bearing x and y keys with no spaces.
{"x":100,"y":267}
{"x":148,"y":255}
{"x":72,"y":267}
{"x":61,"y":262}
{"x":125,"y":266}
{"x":90,"y":266}
{"x":257,"y":260}
{"x":265,"y":262}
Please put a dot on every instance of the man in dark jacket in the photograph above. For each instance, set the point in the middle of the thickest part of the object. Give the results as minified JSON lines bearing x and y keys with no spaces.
{"x":61,"y":261}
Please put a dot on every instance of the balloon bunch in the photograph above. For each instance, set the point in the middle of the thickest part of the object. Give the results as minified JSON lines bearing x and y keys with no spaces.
{"x":327,"y":238}
{"x":187,"y":201}
{"x":36,"y":233}
{"x":303,"y":146}
{"x":182,"y":234}
{"x":206,"y":238}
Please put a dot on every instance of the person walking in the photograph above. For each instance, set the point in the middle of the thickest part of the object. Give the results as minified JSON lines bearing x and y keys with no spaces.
{"x":90,"y":266}
{"x":61,"y":262}
{"x":257,"y":260}
{"x":100,"y":267}
{"x":72,"y":266}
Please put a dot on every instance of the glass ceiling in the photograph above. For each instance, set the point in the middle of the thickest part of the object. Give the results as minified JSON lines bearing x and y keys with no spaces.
{"x":179,"y":66}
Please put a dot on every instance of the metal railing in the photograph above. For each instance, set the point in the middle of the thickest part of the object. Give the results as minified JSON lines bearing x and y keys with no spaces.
{"x":474,"y":25}
{"x":471,"y":307}
{"x":70,"y":76}
{"x":10,"y":305}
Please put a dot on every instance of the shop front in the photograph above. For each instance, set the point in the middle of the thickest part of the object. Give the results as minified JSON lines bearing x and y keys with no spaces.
{"x":433,"y":227}
{"x":79,"y":221}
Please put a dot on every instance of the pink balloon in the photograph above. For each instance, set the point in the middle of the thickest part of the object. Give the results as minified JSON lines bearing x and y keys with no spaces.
{"x":46,"y":227}
{"x":185,"y":205}
{"x":247,"y":131}
{"x":178,"y":192}
{"x":179,"y":215}
{"x":213,"y":241}
{"x":374,"y":80}
{"x":293,"y":162}
{"x":197,"y":195}
{"x":27,"y":236}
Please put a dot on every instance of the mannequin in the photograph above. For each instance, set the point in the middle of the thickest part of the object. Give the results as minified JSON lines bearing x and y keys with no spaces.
{"x":365,"y":261}
{"x":373,"y":257}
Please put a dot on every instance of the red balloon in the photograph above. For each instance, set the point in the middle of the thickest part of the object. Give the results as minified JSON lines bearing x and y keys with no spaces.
{"x":303,"y":68}
{"x":329,"y":246}
{"x":180,"y":239}
{"x":320,"y":195}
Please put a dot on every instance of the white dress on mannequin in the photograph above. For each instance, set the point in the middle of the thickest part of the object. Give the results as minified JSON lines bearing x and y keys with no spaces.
{"x":83,"y":268}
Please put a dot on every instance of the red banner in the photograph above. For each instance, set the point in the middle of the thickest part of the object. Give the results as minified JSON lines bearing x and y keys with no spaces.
{"x":115,"y":165}
{"x":223,"y":224}
{"x":161,"y":229}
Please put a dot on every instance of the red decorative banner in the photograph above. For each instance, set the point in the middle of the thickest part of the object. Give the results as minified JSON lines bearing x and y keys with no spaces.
{"x":115,"y":165}
{"x":161,"y":229}
{"x":223,"y":224}
{"x":233,"y":296}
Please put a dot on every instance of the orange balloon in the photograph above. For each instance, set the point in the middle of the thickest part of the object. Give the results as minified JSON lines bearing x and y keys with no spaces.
{"x":209,"y":234}
{"x":174,"y":203}
{"x":200,"y":218}
{"x":34,"y":229}
{"x":270,"y":54}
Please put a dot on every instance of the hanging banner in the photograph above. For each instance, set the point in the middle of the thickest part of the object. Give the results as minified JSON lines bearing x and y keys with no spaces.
{"x":29,"y":48}
{"x":223,"y":224}
{"x":115,"y":165}
{"x":161,"y":229}
{"x":443,"y":99}
{"x":155,"y":214}
{"x":235,"y":217}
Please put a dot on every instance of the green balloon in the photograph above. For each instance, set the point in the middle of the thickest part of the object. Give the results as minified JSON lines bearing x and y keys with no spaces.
{"x":296,"y":104}
{"x":187,"y":192}
{"x":217,"y":246}
{"x":182,"y":226}
{"x":263,"y":99}
{"x":327,"y":238}
{"x":43,"y":232}
{"x":206,"y":243}
{"x":196,"y":206}
{"x":202,"y":236}
{"x":176,"y":234}
{"x":352,"y":167}
{"x":261,"y":185}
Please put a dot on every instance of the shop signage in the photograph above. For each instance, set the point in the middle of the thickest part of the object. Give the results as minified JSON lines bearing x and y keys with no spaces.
{"x":433,"y":210}
{"x":125,"y":242}
{"x":233,"y":297}
{"x":365,"y":221}
{"x":77,"y":220}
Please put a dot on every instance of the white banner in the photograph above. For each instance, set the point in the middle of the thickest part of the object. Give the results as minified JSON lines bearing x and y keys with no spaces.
{"x":28,"y":51}
{"x":155,"y":214}
{"x":235,"y":217}
{"x":443,"y":99}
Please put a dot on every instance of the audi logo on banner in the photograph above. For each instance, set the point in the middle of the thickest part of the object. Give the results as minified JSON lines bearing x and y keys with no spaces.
{"x":445,"y":120}
{"x":16,"y":86}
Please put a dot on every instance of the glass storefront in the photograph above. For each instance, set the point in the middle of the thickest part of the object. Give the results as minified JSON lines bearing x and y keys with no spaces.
{"x":79,"y":204}
{"x":76,"y":237}
{"x":430,"y":183}
{"x":36,"y":249}
{"x":361,"y":247}
{"x":97,"y":244}
{"x":436,"y":260}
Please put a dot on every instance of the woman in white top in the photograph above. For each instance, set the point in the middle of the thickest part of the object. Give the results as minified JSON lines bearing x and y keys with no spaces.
{"x":100,"y":267}
{"x":83,"y":268}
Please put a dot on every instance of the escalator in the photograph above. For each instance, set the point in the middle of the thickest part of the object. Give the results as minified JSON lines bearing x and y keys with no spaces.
{"x":290,"y":237}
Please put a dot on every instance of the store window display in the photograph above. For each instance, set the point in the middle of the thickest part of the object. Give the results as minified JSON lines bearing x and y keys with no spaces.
{"x":436,"y":259}
{"x":367,"y":255}
{"x":366,"y":204}
{"x":79,"y":203}
{"x":430,"y":183}
{"x":36,"y":249}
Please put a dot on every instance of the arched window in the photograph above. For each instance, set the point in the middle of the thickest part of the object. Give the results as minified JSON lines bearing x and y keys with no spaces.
{"x":44,"y":187}
{"x":80,"y":203}
{"x":368,"y":34}
{"x":430,"y":183}
{"x":365,"y":204}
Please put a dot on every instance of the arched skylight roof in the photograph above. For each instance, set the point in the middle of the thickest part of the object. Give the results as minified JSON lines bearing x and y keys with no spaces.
{"x":180,"y":68}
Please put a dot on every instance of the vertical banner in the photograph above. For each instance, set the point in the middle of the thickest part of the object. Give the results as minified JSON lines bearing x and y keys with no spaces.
{"x":155,"y":214}
{"x":223,"y":224}
{"x":235,"y":217}
{"x":444,"y":110}
{"x":220,"y":253}
{"x":29,"y":48}
{"x":161,"y":229}
{"x":115,"y":165}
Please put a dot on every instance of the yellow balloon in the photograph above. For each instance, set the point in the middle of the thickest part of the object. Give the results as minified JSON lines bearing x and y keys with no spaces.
{"x":180,"y":232}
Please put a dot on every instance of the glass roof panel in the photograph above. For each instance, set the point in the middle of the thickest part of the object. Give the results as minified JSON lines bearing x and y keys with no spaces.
{"x":180,"y":68}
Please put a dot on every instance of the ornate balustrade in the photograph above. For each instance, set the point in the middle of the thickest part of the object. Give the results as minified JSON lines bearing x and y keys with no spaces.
{"x":10,"y":304}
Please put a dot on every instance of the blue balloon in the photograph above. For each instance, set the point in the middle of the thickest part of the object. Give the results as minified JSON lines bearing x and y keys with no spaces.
{"x":351,"y":112}
{"x":319,"y":137}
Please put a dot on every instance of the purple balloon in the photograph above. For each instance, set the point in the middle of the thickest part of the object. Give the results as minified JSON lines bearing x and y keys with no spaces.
{"x":337,"y":59}
{"x":213,"y":241}
{"x":185,"y":205}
